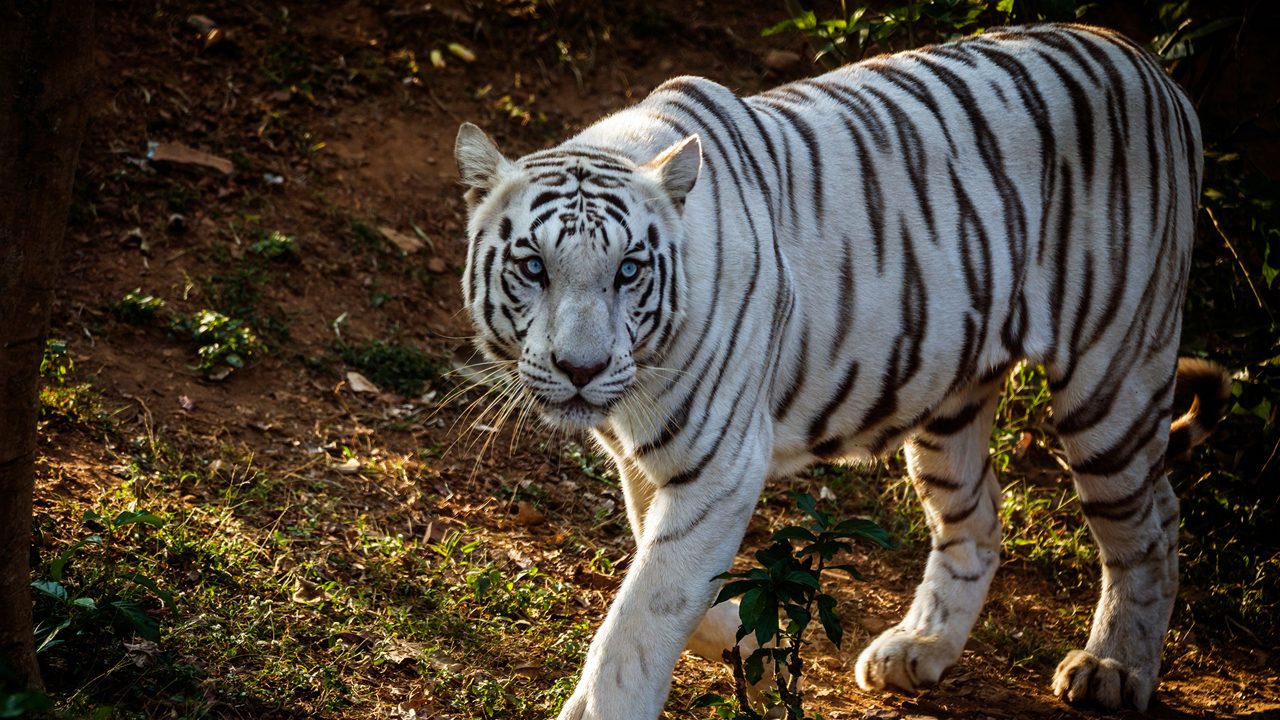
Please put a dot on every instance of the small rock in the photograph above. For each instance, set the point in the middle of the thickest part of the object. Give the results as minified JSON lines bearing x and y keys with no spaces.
{"x":437,"y":266}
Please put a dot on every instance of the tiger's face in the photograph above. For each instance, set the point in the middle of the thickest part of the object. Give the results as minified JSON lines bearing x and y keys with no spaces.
{"x":574,"y":278}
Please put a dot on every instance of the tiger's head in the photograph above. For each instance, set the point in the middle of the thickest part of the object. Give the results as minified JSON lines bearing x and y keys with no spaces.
{"x":574,"y":274}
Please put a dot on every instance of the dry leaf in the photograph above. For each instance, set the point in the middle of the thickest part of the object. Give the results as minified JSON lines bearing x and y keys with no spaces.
{"x":308,"y":592}
{"x":400,"y":651}
{"x":350,"y":467}
{"x":180,"y":154}
{"x":408,"y":244}
{"x":527,"y":514}
{"x":143,"y":653}
{"x":360,"y":384}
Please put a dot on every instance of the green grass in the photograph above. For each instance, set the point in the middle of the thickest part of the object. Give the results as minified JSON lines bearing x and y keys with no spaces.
{"x":392,"y":366}
{"x":313,"y":610}
{"x":63,"y":401}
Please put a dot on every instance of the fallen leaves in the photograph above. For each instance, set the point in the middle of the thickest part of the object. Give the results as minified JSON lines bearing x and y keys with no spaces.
{"x":177,"y":153}
{"x":408,"y":244}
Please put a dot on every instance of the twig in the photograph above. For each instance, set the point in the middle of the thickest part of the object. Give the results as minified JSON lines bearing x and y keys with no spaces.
{"x":1270,"y":457}
{"x":733,"y":656}
{"x":442,"y":107}
{"x":1247,"y":277}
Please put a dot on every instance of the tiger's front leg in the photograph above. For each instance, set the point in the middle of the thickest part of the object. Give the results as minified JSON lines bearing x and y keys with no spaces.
{"x":691,"y":533}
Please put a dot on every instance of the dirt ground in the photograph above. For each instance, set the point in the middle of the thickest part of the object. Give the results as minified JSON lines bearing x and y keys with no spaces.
{"x":337,"y":125}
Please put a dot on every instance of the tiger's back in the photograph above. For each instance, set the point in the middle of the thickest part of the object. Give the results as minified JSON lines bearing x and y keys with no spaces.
{"x":950,"y":211}
{"x":844,"y":264}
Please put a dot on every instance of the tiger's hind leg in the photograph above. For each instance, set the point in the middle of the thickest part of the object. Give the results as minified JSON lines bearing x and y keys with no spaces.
{"x":951,"y":470}
{"x":1115,"y":432}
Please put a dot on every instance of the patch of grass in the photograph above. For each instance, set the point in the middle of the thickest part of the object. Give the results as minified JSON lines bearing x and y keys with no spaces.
{"x":402,"y":368}
{"x":66,"y":402}
{"x":594,"y":465}
{"x":879,"y":490}
{"x":1044,"y":528}
{"x":1027,"y":647}
{"x":1022,"y":423}
{"x":311,"y":612}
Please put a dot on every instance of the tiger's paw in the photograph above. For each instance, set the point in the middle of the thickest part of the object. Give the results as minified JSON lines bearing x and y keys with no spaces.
{"x":1083,"y":678}
{"x":904,"y":659}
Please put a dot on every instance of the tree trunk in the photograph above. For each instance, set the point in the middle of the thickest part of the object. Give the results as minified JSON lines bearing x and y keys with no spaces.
{"x":46,"y":62}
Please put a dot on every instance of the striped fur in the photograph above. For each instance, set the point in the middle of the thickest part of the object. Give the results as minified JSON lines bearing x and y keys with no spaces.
{"x":726,"y":290}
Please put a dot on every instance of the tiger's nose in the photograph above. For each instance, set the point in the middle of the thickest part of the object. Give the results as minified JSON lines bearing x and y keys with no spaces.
{"x":580,"y":375}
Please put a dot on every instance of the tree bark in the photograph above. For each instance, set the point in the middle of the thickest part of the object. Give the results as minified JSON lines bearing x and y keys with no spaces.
{"x":46,"y":62}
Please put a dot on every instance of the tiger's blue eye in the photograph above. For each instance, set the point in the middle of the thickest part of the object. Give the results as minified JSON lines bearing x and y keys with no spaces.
{"x":628,"y":270}
{"x":532,"y":268}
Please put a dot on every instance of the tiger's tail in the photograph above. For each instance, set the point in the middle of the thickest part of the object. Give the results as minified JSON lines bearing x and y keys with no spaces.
{"x":1210,"y":386}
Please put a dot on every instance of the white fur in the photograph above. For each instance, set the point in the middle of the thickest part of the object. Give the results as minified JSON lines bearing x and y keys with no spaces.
{"x":846,"y":271}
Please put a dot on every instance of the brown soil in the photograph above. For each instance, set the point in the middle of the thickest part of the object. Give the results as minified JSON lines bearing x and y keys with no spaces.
{"x":317,"y":94}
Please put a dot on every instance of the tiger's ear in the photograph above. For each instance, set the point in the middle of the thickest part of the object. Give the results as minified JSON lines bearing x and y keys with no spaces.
{"x":480,"y":163}
{"x":676,"y":168}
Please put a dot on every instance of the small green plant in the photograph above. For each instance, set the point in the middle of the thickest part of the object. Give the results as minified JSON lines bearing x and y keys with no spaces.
{"x":779,"y":599}
{"x":136,"y":308}
{"x":223,"y":343}
{"x":402,"y":368}
{"x":56,"y":364}
{"x":60,"y":399}
{"x":275,"y":246}
{"x":101,"y":601}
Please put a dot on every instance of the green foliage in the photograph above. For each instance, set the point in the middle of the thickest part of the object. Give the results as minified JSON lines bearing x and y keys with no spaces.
{"x":76,"y":404}
{"x":402,"y":368}
{"x":56,"y":364}
{"x":853,"y":33}
{"x":275,"y":246}
{"x":1022,"y":416}
{"x":778,"y":602}
{"x":136,"y":308}
{"x":223,"y":343}
{"x":1179,"y":34}
{"x":105,"y":600}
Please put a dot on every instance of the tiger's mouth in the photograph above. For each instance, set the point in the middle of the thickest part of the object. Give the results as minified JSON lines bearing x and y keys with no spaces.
{"x":575,"y":413}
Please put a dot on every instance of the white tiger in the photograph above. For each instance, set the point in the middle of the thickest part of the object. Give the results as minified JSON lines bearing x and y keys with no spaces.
{"x":726,"y":290}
